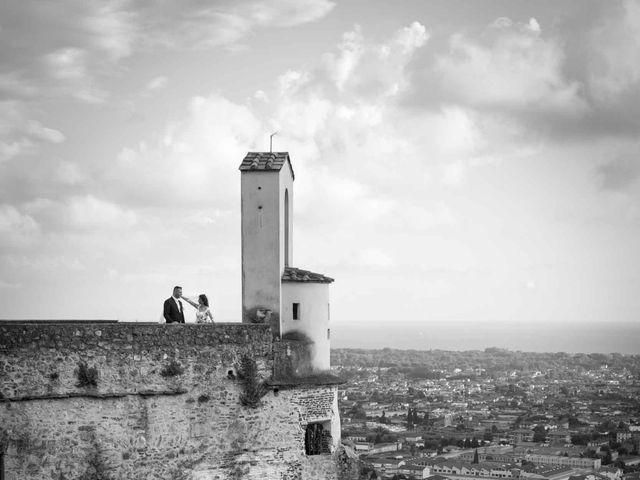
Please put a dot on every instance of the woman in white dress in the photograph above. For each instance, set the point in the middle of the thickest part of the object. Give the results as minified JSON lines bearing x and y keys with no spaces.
{"x":203,"y":314}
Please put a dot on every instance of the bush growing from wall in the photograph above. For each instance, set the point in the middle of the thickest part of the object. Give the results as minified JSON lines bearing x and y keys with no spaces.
{"x":87,"y":376}
{"x":253,"y":388}
{"x":172,"y":369}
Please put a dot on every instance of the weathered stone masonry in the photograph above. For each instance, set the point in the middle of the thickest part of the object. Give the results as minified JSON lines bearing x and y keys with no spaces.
{"x":137,"y":423}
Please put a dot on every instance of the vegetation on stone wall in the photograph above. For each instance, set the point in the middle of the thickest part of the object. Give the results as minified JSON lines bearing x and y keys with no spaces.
{"x":259,"y":315}
{"x":172,"y":369}
{"x":253,"y":388}
{"x":4,"y":440}
{"x":296,"y":362}
{"x":97,"y":468}
{"x":297,"y":336}
{"x":87,"y":376}
{"x":348,"y":465}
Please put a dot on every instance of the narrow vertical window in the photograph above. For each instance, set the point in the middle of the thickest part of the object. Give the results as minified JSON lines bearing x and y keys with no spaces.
{"x":328,"y":311}
{"x":328,"y":333}
{"x":296,"y":311}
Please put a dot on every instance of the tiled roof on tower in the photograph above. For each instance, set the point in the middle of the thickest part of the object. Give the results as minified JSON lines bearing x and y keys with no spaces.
{"x":292,"y":274}
{"x":266,"y":161}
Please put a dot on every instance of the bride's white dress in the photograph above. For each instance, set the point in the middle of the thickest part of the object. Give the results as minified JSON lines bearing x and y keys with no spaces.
{"x":202,"y":316}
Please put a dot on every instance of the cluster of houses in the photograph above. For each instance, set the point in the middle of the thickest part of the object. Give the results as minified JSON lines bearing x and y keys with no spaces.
{"x":389,"y":466}
{"x":493,"y":462}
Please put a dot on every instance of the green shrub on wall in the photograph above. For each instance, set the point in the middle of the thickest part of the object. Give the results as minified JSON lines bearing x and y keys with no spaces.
{"x":253,"y":388}
{"x":87,"y":376}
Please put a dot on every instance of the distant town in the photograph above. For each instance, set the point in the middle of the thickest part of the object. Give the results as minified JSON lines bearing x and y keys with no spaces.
{"x":490,"y":414}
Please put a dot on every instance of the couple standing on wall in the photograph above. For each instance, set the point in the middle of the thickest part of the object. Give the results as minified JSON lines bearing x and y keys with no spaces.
{"x":172,"y":311}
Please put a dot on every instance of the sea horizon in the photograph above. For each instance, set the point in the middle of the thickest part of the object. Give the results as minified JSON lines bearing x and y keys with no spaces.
{"x":543,"y":337}
{"x":591,"y":337}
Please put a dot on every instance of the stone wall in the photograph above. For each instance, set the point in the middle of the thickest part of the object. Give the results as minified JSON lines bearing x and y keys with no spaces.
{"x":40,"y":359}
{"x":138,"y":423}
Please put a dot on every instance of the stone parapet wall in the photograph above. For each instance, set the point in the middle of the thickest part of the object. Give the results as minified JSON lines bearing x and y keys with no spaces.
{"x":41,"y":360}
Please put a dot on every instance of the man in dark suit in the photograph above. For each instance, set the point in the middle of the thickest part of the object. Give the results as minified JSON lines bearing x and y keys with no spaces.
{"x":172,"y":311}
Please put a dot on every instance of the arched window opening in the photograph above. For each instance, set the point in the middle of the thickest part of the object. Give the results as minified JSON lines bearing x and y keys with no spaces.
{"x":317,"y":439}
{"x":286,"y":227}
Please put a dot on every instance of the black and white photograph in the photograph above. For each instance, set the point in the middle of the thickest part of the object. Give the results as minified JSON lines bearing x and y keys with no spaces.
{"x":320,"y":239}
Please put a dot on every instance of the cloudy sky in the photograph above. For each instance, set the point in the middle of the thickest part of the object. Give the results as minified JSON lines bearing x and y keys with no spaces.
{"x":455,"y":161}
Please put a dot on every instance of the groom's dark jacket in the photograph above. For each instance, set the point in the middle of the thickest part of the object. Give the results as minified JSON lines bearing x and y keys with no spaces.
{"x":171,"y":312}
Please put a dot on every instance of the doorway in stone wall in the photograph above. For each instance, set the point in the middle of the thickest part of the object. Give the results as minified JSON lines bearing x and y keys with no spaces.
{"x":317,"y":439}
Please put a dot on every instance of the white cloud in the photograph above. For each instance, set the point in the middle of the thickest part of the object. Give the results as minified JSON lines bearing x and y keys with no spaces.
{"x":534,"y":26}
{"x":506,"y":23}
{"x":203,"y":218}
{"x":364,"y":68}
{"x":113,"y":28}
{"x":40,"y":132}
{"x":68,"y":173}
{"x":50,"y":262}
{"x":620,"y":173}
{"x":351,"y":50}
{"x":78,"y":45}
{"x":67,"y":64}
{"x":453,"y":174}
{"x":423,"y":217}
{"x":92,"y":213}
{"x":13,"y":85}
{"x":288,"y":12}
{"x":412,"y":37}
{"x":157,"y":83}
{"x":81,"y":213}
{"x":193,"y":162}
{"x":13,"y":221}
{"x":21,"y":135}
{"x":372,"y":258}
{"x":502,"y":22}
{"x":518,"y":68}
{"x":193,"y":25}
{"x":18,"y":230}
{"x":302,"y":120}
{"x":261,"y":96}
{"x":292,"y":81}
{"x":68,"y":68}
{"x":614,"y":61}
{"x":130,"y":278}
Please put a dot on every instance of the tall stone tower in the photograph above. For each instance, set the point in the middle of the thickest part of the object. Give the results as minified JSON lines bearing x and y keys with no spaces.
{"x":293,"y":301}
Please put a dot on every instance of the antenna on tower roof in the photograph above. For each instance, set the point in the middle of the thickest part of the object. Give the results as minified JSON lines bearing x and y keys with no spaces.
{"x":271,"y":142}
